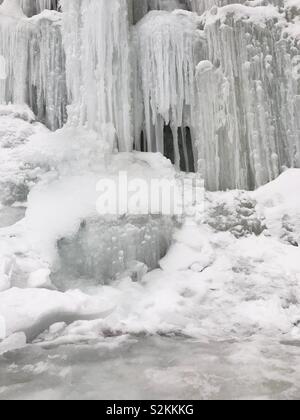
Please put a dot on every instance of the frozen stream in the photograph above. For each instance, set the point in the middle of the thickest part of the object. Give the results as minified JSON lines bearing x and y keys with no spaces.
{"x":154,"y":368}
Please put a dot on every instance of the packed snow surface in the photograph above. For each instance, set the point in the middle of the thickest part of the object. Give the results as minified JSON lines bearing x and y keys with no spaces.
{"x":233,"y":272}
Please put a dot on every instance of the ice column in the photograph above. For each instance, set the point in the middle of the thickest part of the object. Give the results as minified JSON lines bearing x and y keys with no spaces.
{"x":47,"y":92}
{"x":96,"y":41}
{"x":14,"y":38}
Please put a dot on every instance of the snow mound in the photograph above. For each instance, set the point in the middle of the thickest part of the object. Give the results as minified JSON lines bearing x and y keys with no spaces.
{"x":20,"y":315}
{"x":280,"y":202}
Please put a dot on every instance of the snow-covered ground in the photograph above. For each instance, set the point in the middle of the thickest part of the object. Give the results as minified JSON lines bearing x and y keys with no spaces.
{"x":232,"y":274}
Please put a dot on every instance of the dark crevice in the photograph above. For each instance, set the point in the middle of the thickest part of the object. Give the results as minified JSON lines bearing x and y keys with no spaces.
{"x":187,"y":159}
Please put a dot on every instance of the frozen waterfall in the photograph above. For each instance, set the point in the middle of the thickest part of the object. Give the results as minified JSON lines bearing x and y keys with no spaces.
{"x":96,"y":41}
{"x":166,"y":47}
{"x":214,"y":86}
{"x":35,"y":62}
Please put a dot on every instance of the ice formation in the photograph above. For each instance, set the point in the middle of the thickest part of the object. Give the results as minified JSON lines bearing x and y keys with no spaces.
{"x":251,"y":99}
{"x":240,"y":107}
{"x":96,"y":41}
{"x":215,"y":87}
{"x":214,"y":83}
{"x":34,"y":76}
{"x":165,"y":78}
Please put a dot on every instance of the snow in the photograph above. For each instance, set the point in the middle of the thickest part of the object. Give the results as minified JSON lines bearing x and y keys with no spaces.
{"x":63,"y":196}
{"x":16,"y":127}
{"x":280,"y":201}
{"x":210,"y":283}
{"x":257,"y":15}
{"x":225,"y":272}
{"x":40,"y":279}
{"x":14,"y":342}
{"x":21,"y":315}
{"x":11,"y":8}
{"x":17,"y":111}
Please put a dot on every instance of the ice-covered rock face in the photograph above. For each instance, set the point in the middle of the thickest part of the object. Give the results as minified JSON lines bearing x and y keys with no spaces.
{"x":218,"y":93}
{"x":234,"y":84}
{"x":248,"y":101}
{"x":33,"y":75}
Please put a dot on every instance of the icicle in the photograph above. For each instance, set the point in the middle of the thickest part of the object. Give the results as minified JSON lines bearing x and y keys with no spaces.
{"x":14,"y":48}
{"x":35,"y":63}
{"x":96,"y":40}
{"x":47,"y":79}
{"x":248,"y":102}
{"x":165,"y":59}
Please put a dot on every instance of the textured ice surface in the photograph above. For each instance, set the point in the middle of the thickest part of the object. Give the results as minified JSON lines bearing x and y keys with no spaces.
{"x":229,"y":77}
{"x":34,"y":76}
{"x":61,"y":214}
{"x":32,"y":7}
{"x":165,"y":78}
{"x":234,"y":83}
{"x":230,"y":279}
{"x":250,"y":102}
{"x":96,"y":42}
{"x":256,"y":368}
{"x":16,"y":127}
{"x":103,"y":250}
{"x":230,"y":282}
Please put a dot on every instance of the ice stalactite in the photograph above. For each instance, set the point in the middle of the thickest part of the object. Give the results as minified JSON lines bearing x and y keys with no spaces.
{"x":47,"y":79}
{"x":248,"y":102}
{"x":34,"y":76}
{"x":96,"y":41}
{"x":14,"y":50}
{"x":217,"y":93}
{"x":166,"y":46}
